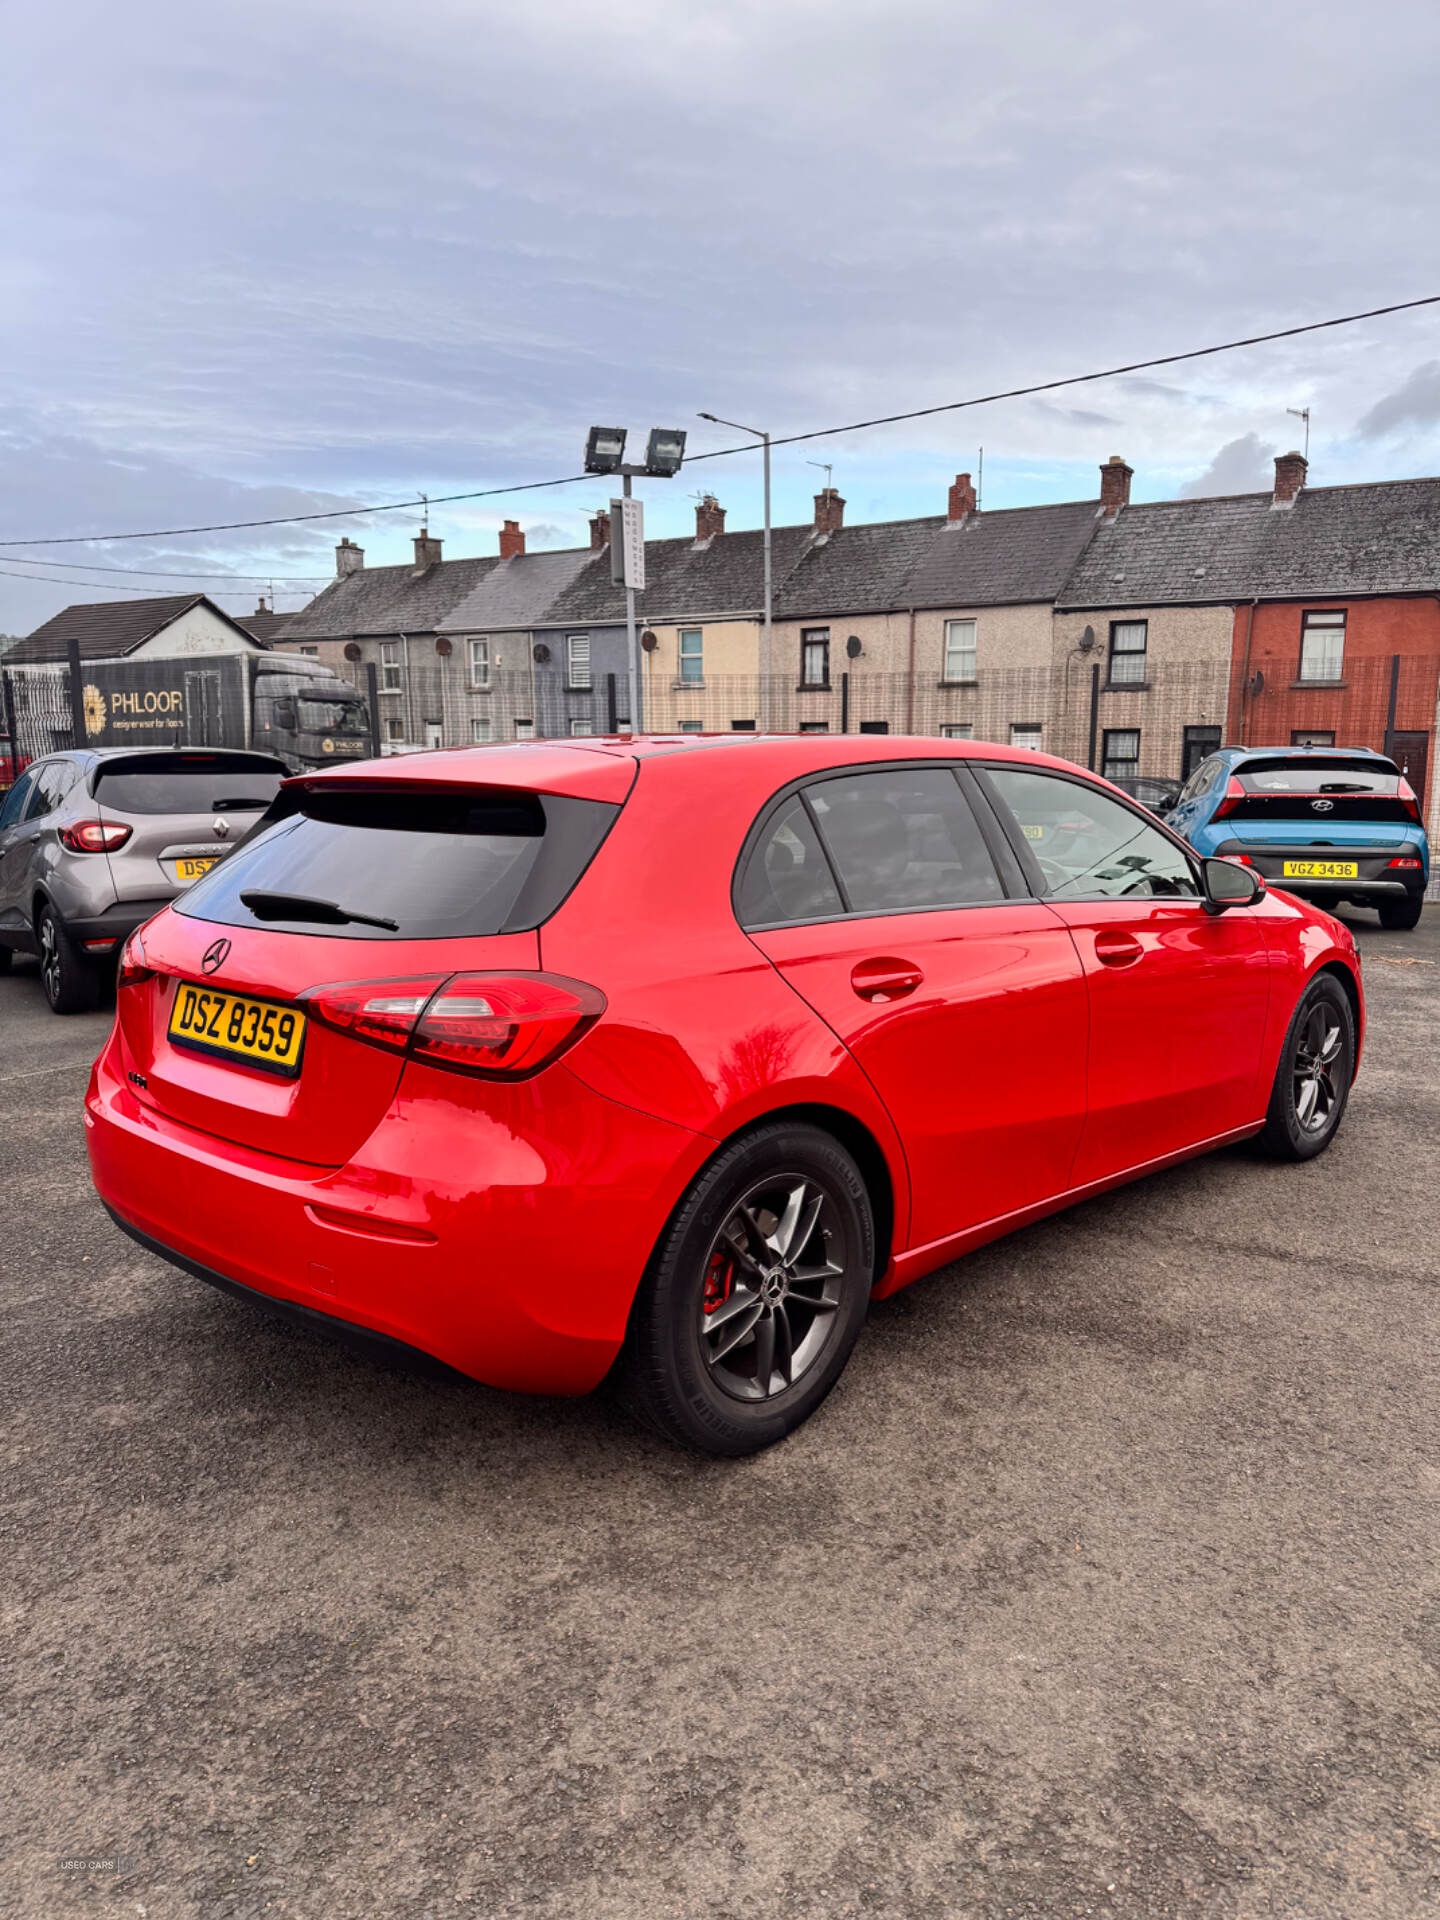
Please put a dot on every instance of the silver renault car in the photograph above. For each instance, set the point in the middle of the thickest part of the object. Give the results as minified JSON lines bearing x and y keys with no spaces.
{"x":93,"y":843}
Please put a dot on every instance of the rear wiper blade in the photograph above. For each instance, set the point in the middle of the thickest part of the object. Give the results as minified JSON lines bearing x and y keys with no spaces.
{"x":300,"y":906}
{"x":241,"y":801}
{"x":1346,"y":786}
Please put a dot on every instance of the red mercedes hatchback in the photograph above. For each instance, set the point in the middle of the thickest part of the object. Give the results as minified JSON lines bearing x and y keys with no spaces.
{"x":659,"y":1059}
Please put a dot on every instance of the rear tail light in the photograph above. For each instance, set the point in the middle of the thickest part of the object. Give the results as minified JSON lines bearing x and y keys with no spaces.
{"x":1234,"y":794}
{"x":500,"y":1026}
{"x":134,"y":967}
{"x":94,"y":836}
{"x":1408,"y":800}
{"x":1240,"y":859}
{"x":1413,"y":864}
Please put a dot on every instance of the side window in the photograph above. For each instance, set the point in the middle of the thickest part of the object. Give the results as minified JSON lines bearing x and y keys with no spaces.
{"x":15,"y":800}
{"x":1088,"y":846}
{"x":52,"y":782}
{"x":786,"y":876}
{"x":904,"y":840}
{"x":1199,"y":780}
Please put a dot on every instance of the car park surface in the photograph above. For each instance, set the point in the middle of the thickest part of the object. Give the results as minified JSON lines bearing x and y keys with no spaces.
{"x":437,"y":1028}
{"x":1104,"y":1582}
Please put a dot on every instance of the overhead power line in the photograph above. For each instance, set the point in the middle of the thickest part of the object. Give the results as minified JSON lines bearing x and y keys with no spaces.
{"x":61,"y":580}
{"x":164,"y":573}
{"x":786,"y":440}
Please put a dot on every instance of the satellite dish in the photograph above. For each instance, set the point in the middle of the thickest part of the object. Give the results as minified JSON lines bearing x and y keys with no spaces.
{"x":853,"y":648}
{"x":542,"y":653}
{"x":649,"y":641}
{"x":1086,"y":642}
{"x":352,"y":651}
{"x":442,"y":647}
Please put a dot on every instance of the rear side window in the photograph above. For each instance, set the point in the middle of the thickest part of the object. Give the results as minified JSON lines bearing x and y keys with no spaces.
{"x":440,"y":865}
{"x":903,"y":841}
{"x":786,"y":875}
{"x":202,"y":783}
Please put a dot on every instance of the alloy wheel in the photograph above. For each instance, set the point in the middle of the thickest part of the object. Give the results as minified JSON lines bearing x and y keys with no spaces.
{"x":49,"y":957}
{"x":774,"y":1281}
{"x":1318,"y":1047}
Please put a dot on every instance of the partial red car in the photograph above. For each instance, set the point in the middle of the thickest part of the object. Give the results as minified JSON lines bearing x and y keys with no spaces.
{"x":658,"y":1059}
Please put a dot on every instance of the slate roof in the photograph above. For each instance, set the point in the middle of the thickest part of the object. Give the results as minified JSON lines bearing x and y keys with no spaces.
{"x":685,"y":580}
{"x":1378,"y":538}
{"x":388,"y":600}
{"x":863,"y":569}
{"x":107,"y":628}
{"x":517,"y":593}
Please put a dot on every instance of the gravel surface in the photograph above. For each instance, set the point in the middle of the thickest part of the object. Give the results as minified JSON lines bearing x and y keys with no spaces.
{"x":1106,"y":1582}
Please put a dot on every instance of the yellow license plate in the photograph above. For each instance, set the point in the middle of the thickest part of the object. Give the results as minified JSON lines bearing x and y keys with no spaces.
{"x":257,"y":1032}
{"x":1321,"y":869}
{"x":195,"y":869}
{"x":1033,"y":833}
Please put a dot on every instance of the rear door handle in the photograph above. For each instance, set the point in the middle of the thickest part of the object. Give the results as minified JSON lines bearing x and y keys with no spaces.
{"x":1114,"y":949}
{"x":885,"y":978}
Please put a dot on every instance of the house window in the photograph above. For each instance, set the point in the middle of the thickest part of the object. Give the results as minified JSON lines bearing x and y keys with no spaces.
{"x":692,"y":726}
{"x":581,"y":729}
{"x":311,"y":653}
{"x":692,"y":655}
{"x":577,"y":660}
{"x":958,"y":730}
{"x":394,"y":730}
{"x":959,"y":652}
{"x":1027,"y":735}
{"x":815,"y":657}
{"x":1308,"y":737}
{"x":481,"y":730}
{"x":390,"y":666}
{"x":742,"y":726}
{"x":524,"y":729}
{"x":814,"y":726}
{"x":1200,"y":743}
{"x":1122,"y":753}
{"x":1322,"y":645}
{"x":1128,"y":641}
{"x":479,"y":663}
{"x":874,"y":726}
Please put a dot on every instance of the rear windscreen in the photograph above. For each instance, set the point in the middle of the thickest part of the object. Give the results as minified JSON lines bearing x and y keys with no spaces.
{"x":1335,"y":789}
{"x":437,"y":865}
{"x":201,"y":785}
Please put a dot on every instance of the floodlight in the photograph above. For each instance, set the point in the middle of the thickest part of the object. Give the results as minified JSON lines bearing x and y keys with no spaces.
{"x":605,"y":449}
{"x":664,"y":452}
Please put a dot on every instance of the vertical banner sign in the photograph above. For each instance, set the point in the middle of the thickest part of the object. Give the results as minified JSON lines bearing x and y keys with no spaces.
{"x":627,"y":544}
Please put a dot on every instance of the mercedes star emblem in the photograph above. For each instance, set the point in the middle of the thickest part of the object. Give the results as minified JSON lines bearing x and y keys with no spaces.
{"x":214,"y":956}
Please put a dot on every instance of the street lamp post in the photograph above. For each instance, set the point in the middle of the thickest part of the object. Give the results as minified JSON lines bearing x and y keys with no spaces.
{"x":767,"y":663}
{"x":604,"y":453}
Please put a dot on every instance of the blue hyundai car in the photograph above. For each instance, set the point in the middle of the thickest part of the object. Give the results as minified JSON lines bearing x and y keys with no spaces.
{"x":1334,"y":824}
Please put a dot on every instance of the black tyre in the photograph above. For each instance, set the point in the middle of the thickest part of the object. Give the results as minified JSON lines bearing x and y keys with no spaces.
{"x":1312,"y":1081}
{"x":755,"y":1295}
{"x":70,"y":981}
{"x":6,"y":956}
{"x":1400,"y":915}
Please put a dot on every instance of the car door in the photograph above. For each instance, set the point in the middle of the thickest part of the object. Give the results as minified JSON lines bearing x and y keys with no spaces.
{"x":17,"y":838}
{"x":880,"y":898}
{"x":1177,"y":993}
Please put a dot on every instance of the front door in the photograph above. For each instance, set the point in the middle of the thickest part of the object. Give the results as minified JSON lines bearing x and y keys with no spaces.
{"x":434,"y":735}
{"x":1410,"y":752}
{"x":17,"y":844}
{"x":1177,"y":994}
{"x":962,"y":1001}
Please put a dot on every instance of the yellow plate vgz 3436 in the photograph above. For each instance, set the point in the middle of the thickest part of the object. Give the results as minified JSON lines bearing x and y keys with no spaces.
{"x":255,"y":1032}
{"x":1320,"y":869}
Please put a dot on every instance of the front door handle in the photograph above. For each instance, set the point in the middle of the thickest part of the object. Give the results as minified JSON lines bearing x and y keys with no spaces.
{"x":1115,"y":949}
{"x":885,"y":978}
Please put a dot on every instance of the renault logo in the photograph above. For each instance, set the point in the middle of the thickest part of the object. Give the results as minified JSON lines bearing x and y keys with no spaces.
{"x":219,"y":828}
{"x":1323,"y":806}
{"x":214,"y":956}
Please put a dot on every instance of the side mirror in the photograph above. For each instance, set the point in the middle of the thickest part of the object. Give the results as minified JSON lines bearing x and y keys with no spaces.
{"x":1169,"y":802}
{"x":1228,"y":884}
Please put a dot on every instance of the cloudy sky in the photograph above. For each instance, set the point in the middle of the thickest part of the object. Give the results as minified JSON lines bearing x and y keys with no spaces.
{"x":287,"y":255}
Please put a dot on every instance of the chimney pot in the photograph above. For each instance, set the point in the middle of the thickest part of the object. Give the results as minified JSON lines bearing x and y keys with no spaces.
{"x":427,"y":550}
{"x":1290,"y":473}
{"x":829,"y":511}
{"x":348,"y":558}
{"x":709,"y":518}
{"x":512,"y":540}
{"x":962,"y":497}
{"x":599,"y":532}
{"x":1115,"y":478}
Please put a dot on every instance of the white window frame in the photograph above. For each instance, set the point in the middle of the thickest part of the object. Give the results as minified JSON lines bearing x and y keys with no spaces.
{"x":814,"y":637}
{"x":1027,"y":734}
{"x":690,"y":663}
{"x":392,"y":671}
{"x":1326,"y":624}
{"x":582,"y":729}
{"x":1128,"y":662}
{"x":395,"y":730}
{"x":692,"y":726}
{"x":482,"y":729}
{"x":577,"y":662}
{"x":524,"y":729}
{"x":479,"y":650}
{"x":958,"y":665}
{"x":310,"y":653}
{"x":958,"y":730}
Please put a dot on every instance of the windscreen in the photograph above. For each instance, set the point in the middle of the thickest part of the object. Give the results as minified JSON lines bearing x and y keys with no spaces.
{"x":190,"y":783}
{"x":319,"y":715}
{"x":1334,"y":789}
{"x":438,"y":865}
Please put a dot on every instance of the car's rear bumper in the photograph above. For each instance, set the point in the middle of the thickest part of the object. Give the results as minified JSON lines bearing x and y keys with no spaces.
{"x":1374,"y":877}
{"x":508,"y":1250}
{"x":113,"y":924}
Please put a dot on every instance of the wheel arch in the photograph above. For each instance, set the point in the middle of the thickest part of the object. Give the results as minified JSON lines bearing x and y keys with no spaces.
{"x":1346,"y":976}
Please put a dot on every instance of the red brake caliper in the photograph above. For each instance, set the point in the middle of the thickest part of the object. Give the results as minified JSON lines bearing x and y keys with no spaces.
{"x":719,"y":1278}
